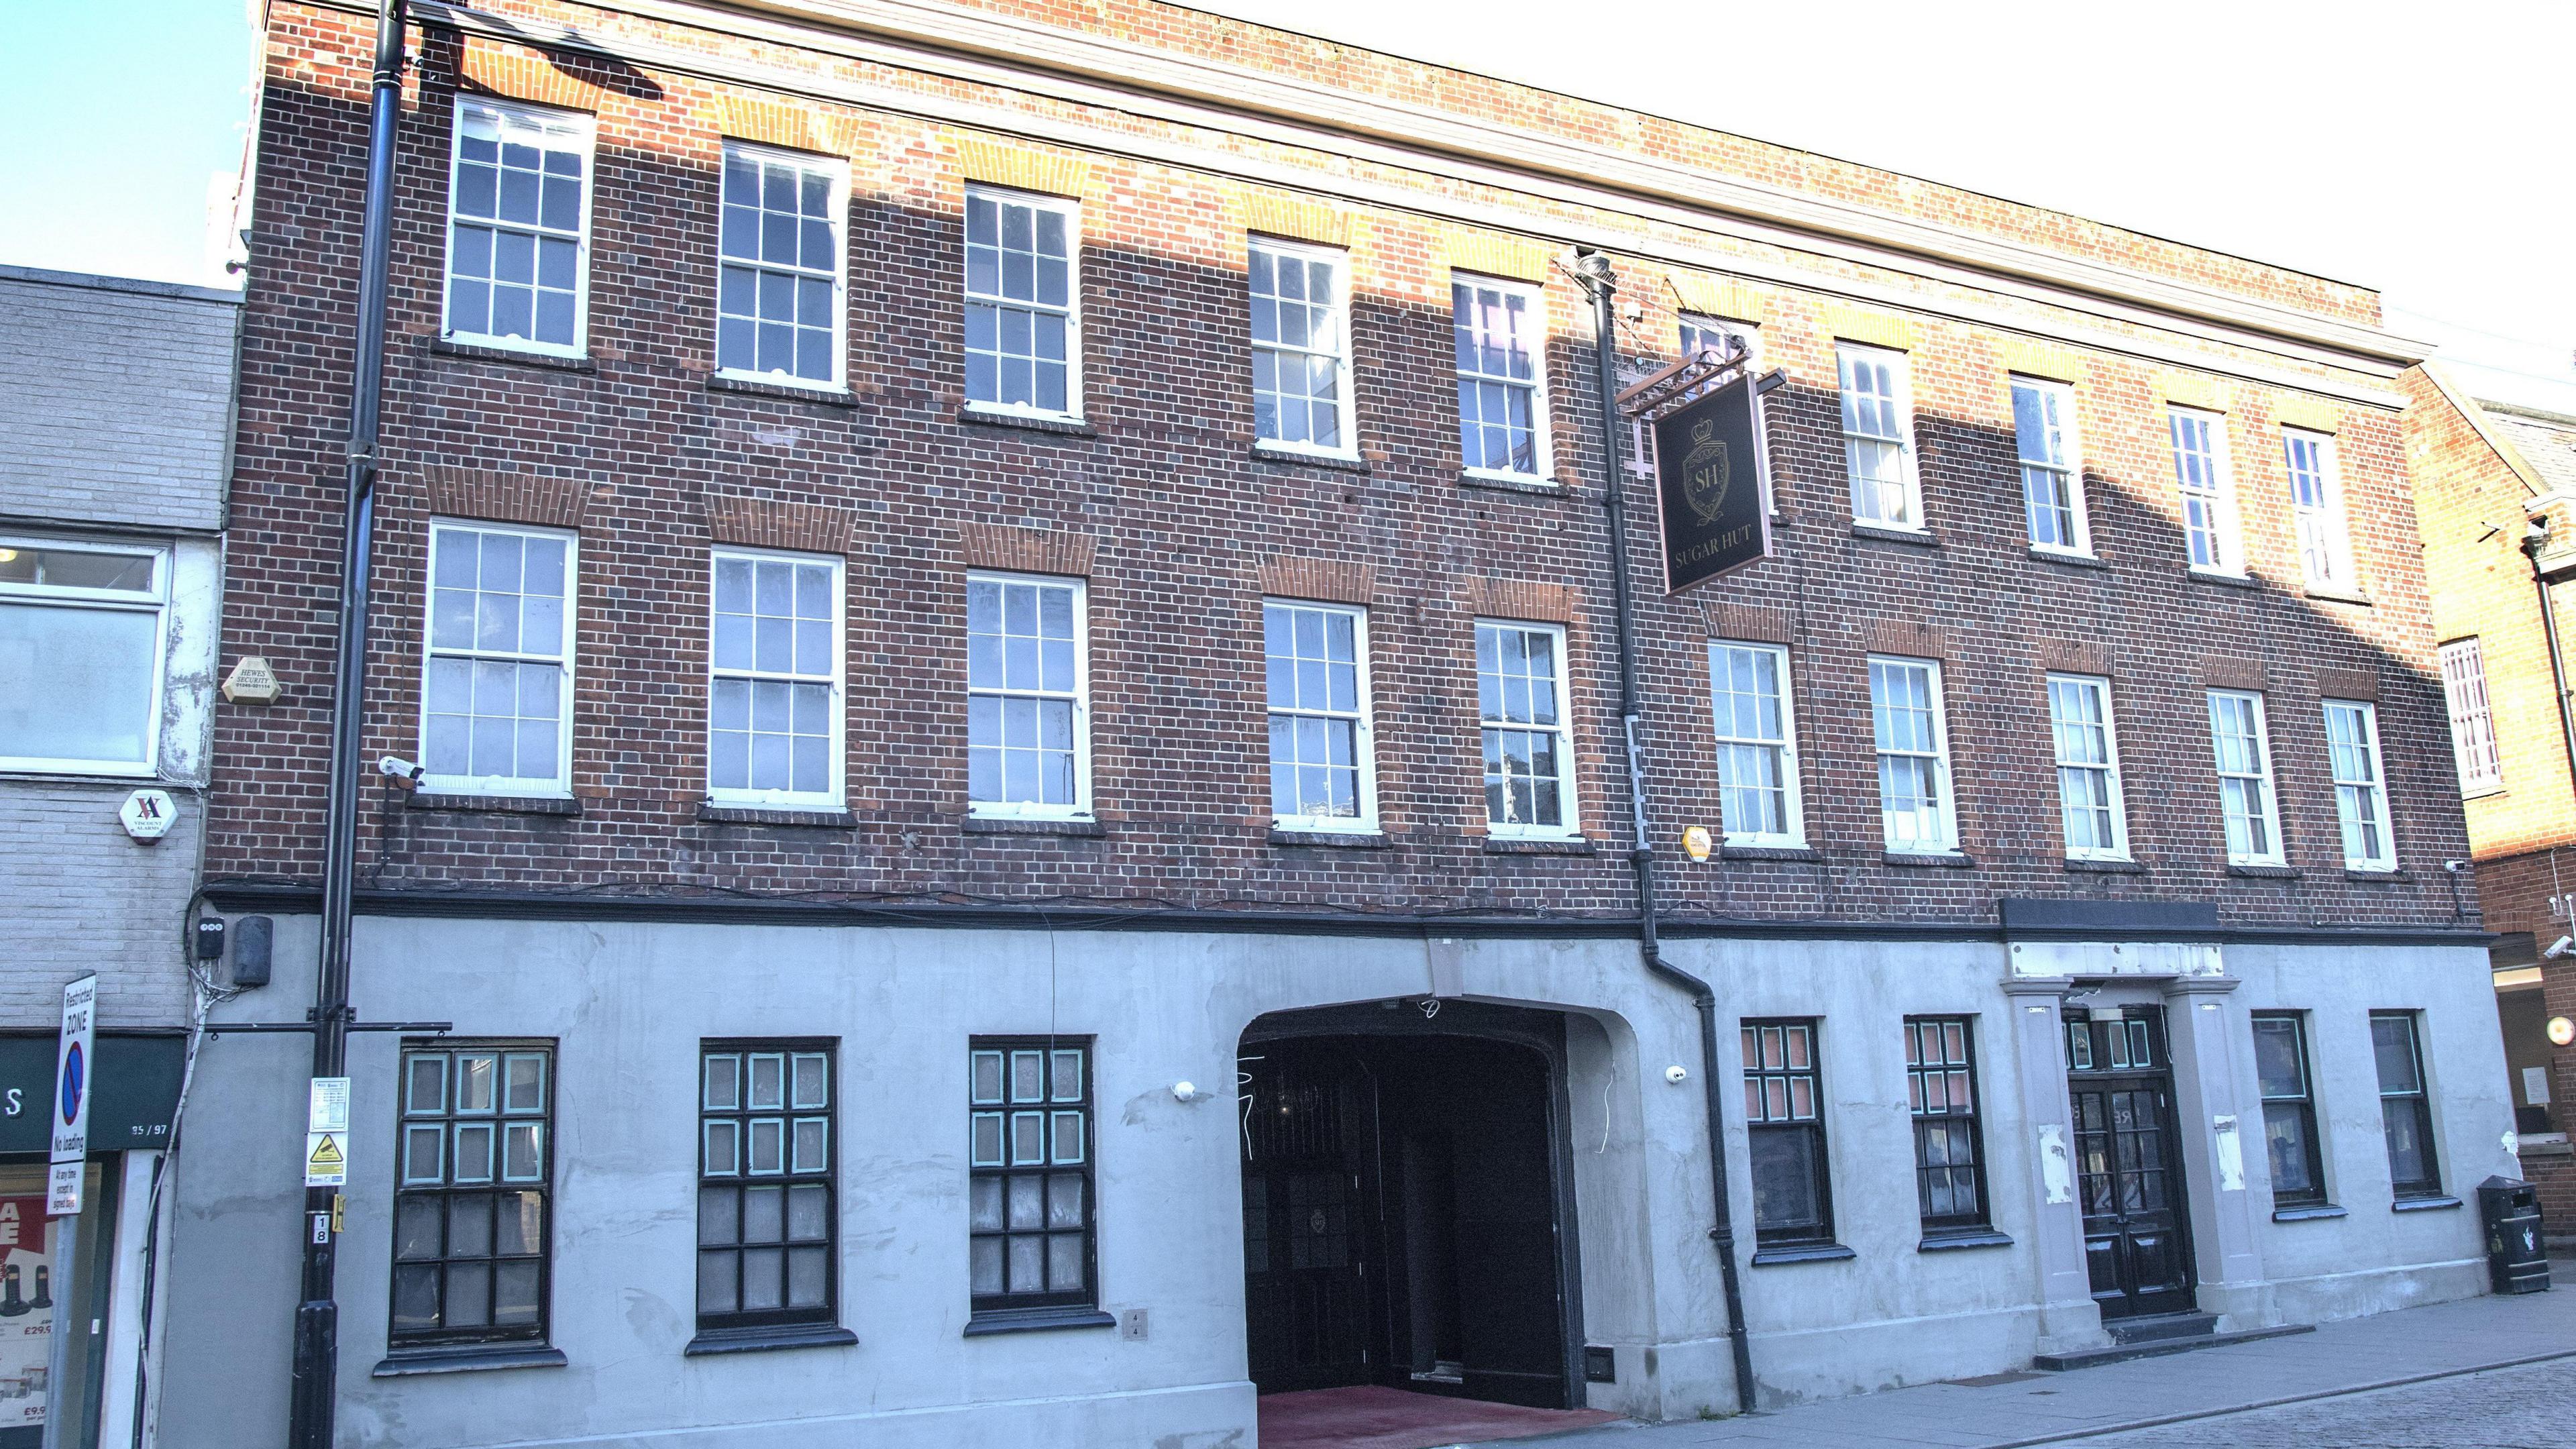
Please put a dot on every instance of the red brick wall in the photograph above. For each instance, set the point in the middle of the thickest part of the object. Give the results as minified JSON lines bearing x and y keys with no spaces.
{"x":1184,"y":529}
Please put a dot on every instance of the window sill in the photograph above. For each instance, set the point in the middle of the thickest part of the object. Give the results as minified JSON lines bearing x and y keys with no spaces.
{"x":92,"y":775}
{"x":1035,"y":1320}
{"x":1801,"y":1253}
{"x":2265,"y":872}
{"x":485,"y":352}
{"x":1876,"y":533}
{"x":2392,"y":875}
{"x":1026,"y":422}
{"x":2226,"y":581}
{"x":493,"y":804}
{"x":2340,"y":596}
{"x":2423,"y":1204}
{"x":2309,"y":1213}
{"x":2071,"y":560}
{"x":2084,"y":866}
{"x":761,"y":1340}
{"x":1952,"y":1242}
{"x":830,"y":397}
{"x":1338,"y":839}
{"x":1013,"y":825}
{"x":468,"y":1358}
{"x":1530,"y":845}
{"x":711,"y":812}
{"x":1273,"y":453}
{"x":1929,"y":859}
{"x":1530,"y":483}
{"x":1794,"y":853}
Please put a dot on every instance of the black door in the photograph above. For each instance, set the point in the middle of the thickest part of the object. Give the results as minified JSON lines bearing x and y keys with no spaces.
{"x":2129,"y":1184}
{"x":1303,"y":1233}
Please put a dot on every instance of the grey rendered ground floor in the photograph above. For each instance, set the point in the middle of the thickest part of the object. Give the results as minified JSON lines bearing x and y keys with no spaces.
{"x":2484,"y":1373}
{"x":1612,"y":1237}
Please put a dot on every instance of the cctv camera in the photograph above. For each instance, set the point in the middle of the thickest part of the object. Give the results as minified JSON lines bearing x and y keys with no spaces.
{"x":2559,"y":948}
{"x":2455,"y":866}
{"x":401,"y":769}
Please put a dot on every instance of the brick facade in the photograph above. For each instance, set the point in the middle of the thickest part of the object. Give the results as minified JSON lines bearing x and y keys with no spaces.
{"x":2482,"y":471}
{"x":1182,"y":529}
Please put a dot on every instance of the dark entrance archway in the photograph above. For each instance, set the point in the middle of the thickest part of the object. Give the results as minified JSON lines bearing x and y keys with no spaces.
{"x":1408,"y":1203}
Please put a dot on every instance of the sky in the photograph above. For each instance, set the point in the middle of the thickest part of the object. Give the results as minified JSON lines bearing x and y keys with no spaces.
{"x":2421,"y":150}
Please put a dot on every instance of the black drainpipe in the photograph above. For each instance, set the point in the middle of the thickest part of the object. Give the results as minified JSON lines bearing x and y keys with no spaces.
{"x":312,"y":1406}
{"x":1593,"y":268}
{"x":2534,"y":540}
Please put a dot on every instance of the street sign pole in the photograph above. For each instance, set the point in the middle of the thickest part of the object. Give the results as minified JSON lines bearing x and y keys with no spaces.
{"x":69,"y":1118}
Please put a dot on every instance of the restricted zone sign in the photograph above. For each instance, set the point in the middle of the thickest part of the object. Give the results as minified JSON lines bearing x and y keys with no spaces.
{"x":72,"y":1087}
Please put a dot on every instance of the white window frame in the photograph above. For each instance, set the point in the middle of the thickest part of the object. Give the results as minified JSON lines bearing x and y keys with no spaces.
{"x":1793,"y":806}
{"x":2324,"y":527}
{"x":1901,"y":397}
{"x":2474,"y":748}
{"x":2368,"y":713}
{"x":1569,"y":814}
{"x":156,"y":602}
{"x":1748,"y":333}
{"x":2258,"y":780}
{"x":1339,"y":260}
{"x":836,"y":745}
{"x":1081,"y":807}
{"x":2099,"y":687}
{"x":1947,"y":843}
{"x":1071,"y":211}
{"x":835,"y":170}
{"x":2070,"y":464}
{"x":2226,"y":536}
{"x":508,"y":787}
{"x":1363,"y":737}
{"x":580,"y":121}
{"x":1542,"y":456}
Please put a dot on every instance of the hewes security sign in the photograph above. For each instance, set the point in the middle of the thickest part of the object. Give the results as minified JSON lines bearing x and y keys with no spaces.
{"x":71,"y":1097}
{"x":1710,"y":468}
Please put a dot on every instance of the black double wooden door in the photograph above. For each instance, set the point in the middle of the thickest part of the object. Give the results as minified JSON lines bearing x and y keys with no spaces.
{"x":2128,"y":1175}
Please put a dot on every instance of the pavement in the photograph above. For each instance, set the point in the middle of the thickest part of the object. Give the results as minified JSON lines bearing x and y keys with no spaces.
{"x":2451,"y":1374}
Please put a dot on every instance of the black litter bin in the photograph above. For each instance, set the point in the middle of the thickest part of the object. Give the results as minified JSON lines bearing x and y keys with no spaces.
{"x":2510,"y":1212}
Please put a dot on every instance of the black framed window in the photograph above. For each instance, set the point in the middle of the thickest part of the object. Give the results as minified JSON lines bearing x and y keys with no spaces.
{"x":1031,"y":1214}
{"x":1784,"y":1112}
{"x":2289,"y":1110}
{"x":766,"y":1219}
{"x":2405,"y":1110}
{"x":1941,"y":1089}
{"x":472,"y":1180}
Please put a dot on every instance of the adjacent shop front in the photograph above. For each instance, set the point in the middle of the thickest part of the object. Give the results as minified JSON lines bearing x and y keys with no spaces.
{"x":134,"y":1087}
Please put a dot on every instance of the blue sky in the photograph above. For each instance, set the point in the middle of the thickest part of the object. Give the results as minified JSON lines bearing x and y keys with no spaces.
{"x":2421,"y":150}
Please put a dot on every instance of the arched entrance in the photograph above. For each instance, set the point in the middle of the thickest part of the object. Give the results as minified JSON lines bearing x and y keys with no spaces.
{"x":1408,"y":1202}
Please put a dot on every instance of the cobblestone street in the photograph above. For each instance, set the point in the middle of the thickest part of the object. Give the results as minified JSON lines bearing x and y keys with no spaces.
{"x":2525,"y":1408}
{"x":2481,"y":1373}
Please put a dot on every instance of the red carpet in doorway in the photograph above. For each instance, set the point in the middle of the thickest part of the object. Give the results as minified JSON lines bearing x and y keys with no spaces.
{"x":1382,"y":1418}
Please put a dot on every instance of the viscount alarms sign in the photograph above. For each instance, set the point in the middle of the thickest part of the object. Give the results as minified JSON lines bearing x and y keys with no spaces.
{"x":1710,"y":467}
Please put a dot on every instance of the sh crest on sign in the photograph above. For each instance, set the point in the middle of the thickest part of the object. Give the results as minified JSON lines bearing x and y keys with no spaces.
{"x":1706,"y":471}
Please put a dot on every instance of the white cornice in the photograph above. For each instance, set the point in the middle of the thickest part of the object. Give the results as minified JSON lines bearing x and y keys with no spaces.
{"x":1104,"y":59}
{"x":2326,"y":348}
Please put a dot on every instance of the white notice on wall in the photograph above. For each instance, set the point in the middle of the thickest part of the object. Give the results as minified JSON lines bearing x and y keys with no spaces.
{"x":2535,"y":1086}
{"x":2231,"y":1153}
{"x":2053,"y":1171}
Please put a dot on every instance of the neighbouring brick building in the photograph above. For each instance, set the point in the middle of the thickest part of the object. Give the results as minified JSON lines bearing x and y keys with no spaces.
{"x":1005,"y":617}
{"x":115,"y":446}
{"x":2495,"y":484}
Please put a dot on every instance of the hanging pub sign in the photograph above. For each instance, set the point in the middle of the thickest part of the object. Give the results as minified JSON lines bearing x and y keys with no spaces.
{"x":1710,"y":468}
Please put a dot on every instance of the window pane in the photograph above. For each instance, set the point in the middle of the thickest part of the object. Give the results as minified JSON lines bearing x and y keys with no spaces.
{"x":82,"y":683}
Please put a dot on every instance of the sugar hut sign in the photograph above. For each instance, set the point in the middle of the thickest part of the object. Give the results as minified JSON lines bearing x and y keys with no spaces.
{"x":1708,"y":465}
